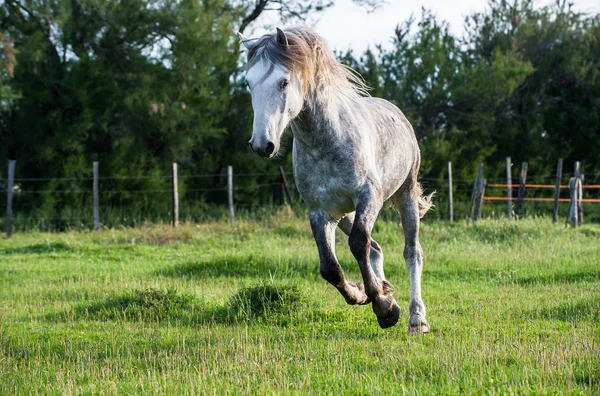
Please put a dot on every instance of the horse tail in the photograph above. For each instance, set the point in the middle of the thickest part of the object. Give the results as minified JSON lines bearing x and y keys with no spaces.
{"x":425,"y":201}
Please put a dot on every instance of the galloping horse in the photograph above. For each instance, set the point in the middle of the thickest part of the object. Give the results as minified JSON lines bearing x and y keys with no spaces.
{"x":352,"y":155}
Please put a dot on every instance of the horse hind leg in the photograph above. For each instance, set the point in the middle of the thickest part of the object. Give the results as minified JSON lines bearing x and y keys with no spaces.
{"x":376,"y":253}
{"x":412,"y":206}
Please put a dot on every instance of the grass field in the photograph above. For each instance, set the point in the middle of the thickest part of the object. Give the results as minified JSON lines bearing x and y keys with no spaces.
{"x":217,"y":309}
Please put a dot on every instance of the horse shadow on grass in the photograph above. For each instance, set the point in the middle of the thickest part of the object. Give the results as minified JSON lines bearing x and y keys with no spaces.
{"x":586,"y":310}
{"x":492,"y":234}
{"x":468,"y":274}
{"x":509,"y":276}
{"x":242,"y":266}
{"x":38,"y":248}
{"x":266,"y":302}
{"x":558,"y":278}
{"x":276,"y":303}
{"x":152,"y":305}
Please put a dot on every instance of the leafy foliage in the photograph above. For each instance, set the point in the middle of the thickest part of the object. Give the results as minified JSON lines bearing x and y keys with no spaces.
{"x":140,"y":84}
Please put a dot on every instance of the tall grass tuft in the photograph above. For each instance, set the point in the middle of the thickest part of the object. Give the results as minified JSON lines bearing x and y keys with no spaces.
{"x":265,"y":300}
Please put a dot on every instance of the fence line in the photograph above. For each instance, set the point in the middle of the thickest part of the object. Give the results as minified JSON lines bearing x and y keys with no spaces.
{"x":592,"y":178}
{"x":552,"y":186}
{"x":575,"y":187}
{"x":461,"y":186}
{"x":12,"y":189}
{"x":141,"y":177}
{"x":534,"y":199}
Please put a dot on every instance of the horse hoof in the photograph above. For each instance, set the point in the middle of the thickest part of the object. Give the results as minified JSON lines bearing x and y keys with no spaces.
{"x":390,"y":319}
{"x":361,"y":288}
{"x":421,"y":328}
{"x":354,"y":301}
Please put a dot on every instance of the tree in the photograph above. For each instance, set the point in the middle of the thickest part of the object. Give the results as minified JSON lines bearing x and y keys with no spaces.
{"x":135,"y":84}
{"x":7,"y":70}
{"x":551,"y":114}
{"x":449,"y":96}
{"x":291,"y":10}
{"x":522,"y":82}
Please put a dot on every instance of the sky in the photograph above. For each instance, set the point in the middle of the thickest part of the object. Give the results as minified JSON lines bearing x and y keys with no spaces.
{"x":348,"y":26}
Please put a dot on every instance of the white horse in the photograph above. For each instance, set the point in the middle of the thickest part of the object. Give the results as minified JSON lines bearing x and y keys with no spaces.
{"x":352,"y":154}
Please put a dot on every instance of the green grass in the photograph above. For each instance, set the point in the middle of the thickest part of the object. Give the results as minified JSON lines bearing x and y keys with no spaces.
{"x":215,"y":309}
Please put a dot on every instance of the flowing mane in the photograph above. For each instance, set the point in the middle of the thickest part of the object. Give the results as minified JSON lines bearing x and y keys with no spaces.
{"x":308,"y":56}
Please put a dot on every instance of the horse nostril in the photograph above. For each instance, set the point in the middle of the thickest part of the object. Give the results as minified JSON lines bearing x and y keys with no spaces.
{"x":251,"y":148}
{"x":270,"y":148}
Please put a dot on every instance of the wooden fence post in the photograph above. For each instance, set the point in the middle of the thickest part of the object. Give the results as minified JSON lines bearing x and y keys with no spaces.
{"x":509,"y":187}
{"x":175,"y":197}
{"x":521,"y":194}
{"x":96,"y":199}
{"x":287,"y":188}
{"x":480,"y":194}
{"x":9,"y":197}
{"x":579,"y":199}
{"x":230,"y":193}
{"x":557,"y":190}
{"x":475,"y":190}
{"x":573,"y":203}
{"x":573,"y":190}
{"x":450,"y":200}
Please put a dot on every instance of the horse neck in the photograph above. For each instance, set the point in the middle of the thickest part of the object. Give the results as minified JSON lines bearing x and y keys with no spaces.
{"x":320,"y":118}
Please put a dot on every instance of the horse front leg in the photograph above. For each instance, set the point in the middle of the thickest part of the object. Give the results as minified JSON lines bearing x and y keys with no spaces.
{"x":377,"y":288}
{"x":323,"y":228}
{"x":376,"y":254}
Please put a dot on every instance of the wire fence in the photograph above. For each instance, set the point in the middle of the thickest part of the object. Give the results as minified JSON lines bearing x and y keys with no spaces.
{"x":57,"y":203}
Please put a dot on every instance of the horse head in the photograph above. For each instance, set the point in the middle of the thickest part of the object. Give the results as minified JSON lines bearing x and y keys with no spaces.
{"x":277,"y":92}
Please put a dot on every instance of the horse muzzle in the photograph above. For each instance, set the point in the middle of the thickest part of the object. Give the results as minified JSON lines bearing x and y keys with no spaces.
{"x":266,"y":150}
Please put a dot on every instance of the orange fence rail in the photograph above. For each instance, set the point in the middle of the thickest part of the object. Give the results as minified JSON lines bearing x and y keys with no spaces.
{"x":552,"y":186}
{"x":541,"y":185}
{"x":540,"y":199}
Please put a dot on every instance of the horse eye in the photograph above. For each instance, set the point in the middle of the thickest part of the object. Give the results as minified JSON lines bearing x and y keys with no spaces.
{"x":284,"y":84}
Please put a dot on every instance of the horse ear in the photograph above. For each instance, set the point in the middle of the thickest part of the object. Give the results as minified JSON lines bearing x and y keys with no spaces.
{"x":246,"y":41}
{"x":281,"y":38}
